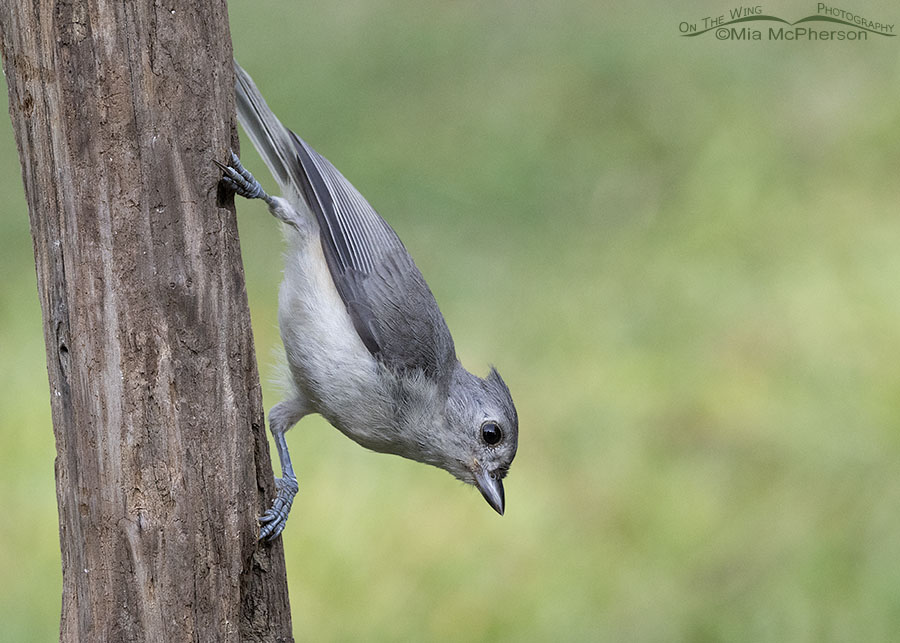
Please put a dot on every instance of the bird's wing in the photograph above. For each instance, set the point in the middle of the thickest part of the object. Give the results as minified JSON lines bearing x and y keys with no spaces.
{"x":392,"y":308}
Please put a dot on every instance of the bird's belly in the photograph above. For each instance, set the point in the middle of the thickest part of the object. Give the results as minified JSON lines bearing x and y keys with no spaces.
{"x":329,"y":364}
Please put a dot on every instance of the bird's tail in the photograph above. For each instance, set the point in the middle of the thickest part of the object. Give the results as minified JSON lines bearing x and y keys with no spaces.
{"x":271,"y":139}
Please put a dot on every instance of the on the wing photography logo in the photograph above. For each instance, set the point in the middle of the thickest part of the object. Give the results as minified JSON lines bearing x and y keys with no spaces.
{"x":828,"y":23}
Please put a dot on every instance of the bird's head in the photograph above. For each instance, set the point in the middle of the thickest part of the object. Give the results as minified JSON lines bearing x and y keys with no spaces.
{"x":481,"y":433}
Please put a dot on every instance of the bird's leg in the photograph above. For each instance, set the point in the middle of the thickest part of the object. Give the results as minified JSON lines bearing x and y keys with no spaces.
{"x":238,"y":179}
{"x":281,"y":418}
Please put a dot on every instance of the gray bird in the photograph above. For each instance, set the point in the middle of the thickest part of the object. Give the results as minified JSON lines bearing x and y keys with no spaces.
{"x":366,"y":345}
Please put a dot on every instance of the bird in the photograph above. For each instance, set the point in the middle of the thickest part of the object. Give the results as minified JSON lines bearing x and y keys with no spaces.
{"x":366,"y":345}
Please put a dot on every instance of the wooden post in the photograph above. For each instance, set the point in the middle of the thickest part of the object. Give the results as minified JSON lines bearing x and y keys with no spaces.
{"x":162,"y":463}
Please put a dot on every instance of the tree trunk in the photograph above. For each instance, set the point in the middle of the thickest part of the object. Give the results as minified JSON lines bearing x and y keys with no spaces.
{"x":162,"y":463}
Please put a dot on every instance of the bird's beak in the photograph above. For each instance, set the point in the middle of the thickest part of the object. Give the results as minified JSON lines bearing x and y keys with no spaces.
{"x":491,"y":489}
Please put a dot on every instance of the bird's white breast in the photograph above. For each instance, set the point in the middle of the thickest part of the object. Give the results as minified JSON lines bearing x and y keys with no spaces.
{"x":330,"y":365}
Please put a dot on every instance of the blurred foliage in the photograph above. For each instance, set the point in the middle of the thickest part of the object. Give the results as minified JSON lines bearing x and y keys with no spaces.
{"x":681,"y":253}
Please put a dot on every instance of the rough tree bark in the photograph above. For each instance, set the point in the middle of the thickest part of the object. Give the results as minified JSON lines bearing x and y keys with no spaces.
{"x":162,"y":464}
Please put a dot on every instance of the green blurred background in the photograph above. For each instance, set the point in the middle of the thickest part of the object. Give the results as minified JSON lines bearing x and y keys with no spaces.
{"x":682,"y":254}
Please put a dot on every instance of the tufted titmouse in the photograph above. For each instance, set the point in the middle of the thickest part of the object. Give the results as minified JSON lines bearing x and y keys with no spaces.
{"x":367,"y":346}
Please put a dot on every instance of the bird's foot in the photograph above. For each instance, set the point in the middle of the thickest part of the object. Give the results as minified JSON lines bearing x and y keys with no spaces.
{"x":273,"y":521}
{"x":238,"y":179}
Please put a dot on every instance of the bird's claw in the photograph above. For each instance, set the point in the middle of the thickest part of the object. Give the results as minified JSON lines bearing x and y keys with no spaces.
{"x":273,"y":521}
{"x":238,"y":179}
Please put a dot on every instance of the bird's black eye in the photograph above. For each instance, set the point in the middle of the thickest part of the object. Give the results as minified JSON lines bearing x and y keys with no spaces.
{"x":491,"y":433}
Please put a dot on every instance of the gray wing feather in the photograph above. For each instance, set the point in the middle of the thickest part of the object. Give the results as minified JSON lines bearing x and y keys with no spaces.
{"x":392,"y":308}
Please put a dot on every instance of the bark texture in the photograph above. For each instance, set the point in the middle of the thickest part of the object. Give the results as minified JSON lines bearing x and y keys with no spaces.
{"x":162,"y":464}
